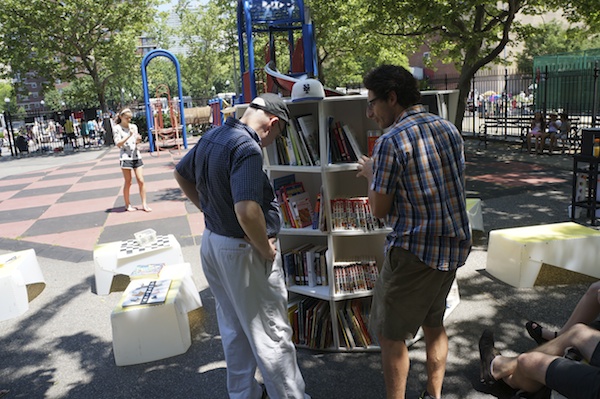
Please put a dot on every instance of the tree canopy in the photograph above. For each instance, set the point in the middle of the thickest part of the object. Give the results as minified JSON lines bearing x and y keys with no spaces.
{"x":67,"y":39}
{"x":553,"y":38}
{"x":469,"y":33}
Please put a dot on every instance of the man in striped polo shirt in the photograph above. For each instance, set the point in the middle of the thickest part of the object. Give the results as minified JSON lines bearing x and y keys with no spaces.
{"x":417,"y":183}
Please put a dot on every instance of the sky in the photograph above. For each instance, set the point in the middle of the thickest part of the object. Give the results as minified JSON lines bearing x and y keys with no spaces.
{"x":171,"y":4}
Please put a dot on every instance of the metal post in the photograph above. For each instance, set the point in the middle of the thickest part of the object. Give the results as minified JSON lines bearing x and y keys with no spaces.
{"x":595,"y":100}
{"x":545,"y":79}
{"x":505,"y":101}
{"x":11,"y":138}
{"x":474,"y":104}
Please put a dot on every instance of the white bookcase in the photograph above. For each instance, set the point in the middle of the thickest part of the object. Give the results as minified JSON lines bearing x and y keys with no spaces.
{"x":335,"y":181}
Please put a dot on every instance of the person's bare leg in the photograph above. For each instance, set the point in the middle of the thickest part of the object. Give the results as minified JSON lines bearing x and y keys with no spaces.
{"x":395,"y":361}
{"x":436,"y":346}
{"x":126,"y":188}
{"x":531,"y":366}
{"x":139,"y":176}
{"x":587,"y":309}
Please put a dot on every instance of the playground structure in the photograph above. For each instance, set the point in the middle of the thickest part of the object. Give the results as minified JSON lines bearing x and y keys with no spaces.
{"x":153,"y":122}
{"x":288,"y":16}
{"x":168,"y":136}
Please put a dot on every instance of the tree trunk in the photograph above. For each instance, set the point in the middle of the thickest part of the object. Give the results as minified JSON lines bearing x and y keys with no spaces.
{"x":464,"y":87}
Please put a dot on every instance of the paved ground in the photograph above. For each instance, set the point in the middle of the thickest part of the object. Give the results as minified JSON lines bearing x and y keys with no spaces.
{"x":62,"y":346}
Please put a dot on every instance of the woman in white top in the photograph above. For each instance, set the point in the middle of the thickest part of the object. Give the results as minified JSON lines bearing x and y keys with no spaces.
{"x":126,"y":137}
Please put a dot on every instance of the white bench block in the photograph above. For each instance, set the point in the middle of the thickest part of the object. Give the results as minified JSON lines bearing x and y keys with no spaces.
{"x":19,"y":270}
{"x":147,"y":333}
{"x":121,"y":257}
{"x":474,"y":214}
{"x":516,"y":255}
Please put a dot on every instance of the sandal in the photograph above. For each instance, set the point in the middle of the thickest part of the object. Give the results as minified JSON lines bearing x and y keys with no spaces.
{"x":536,"y":332}
{"x":131,"y":209}
{"x":487,"y":353}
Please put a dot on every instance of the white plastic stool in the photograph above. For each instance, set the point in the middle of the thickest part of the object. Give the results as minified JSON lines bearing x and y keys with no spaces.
{"x":516,"y":255}
{"x":147,"y":333}
{"x":18,"y":270}
{"x":121,"y":257}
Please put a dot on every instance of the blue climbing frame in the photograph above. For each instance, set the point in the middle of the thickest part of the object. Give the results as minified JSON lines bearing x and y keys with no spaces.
{"x":149,"y":117}
{"x":264,"y":16}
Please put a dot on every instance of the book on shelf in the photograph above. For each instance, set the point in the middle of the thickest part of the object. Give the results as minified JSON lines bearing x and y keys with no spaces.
{"x":356,"y":149}
{"x":282,"y":181}
{"x":147,"y":271}
{"x":357,"y":313}
{"x":355,"y":276}
{"x":292,"y":152}
{"x":311,"y":323}
{"x":308,"y":130}
{"x":353,"y":214}
{"x":344,"y":329}
{"x":281,"y":151}
{"x":343,"y":145}
{"x":305,"y":265}
{"x":301,"y":210}
{"x":147,"y":292}
{"x":352,"y":323}
{"x":301,"y":145}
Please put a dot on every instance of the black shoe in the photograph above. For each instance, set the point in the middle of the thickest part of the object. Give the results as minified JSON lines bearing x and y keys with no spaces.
{"x":487,"y":353}
{"x":426,"y":395}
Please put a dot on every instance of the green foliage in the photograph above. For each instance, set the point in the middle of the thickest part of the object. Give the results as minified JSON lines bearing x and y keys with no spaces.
{"x":6,"y":91}
{"x":552,"y":38}
{"x":72,"y":38}
{"x":469,"y":33}
{"x":210,"y":35}
{"x":346,"y":46}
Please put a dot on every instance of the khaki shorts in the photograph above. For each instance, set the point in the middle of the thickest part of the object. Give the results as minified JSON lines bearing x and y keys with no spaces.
{"x":407,"y":295}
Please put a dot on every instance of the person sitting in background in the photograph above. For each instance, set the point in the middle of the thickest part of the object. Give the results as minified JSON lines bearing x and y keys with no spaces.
{"x":564,"y":126}
{"x":546,"y":366}
{"x":537,"y":131}
{"x":587,"y":311}
{"x":553,"y":129}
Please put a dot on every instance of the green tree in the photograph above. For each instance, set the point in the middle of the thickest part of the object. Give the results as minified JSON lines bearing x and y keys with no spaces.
{"x":469,"y":33}
{"x":346,"y":47}
{"x":552,"y":38}
{"x":209,"y":34}
{"x":71,"y":39}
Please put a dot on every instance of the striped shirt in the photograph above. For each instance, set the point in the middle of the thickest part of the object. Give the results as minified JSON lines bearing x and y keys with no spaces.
{"x":421,"y":162}
{"x":227,"y":167}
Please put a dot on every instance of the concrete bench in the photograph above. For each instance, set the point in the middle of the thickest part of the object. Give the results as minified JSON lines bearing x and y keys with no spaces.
{"x":515,"y":256}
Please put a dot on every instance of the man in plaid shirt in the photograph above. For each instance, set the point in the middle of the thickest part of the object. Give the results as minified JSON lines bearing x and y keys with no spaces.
{"x":416,"y":181}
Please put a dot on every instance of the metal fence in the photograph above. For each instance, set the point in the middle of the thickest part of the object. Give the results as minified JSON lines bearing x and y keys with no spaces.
{"x":515,"y":93}
{"x":43,"y":134}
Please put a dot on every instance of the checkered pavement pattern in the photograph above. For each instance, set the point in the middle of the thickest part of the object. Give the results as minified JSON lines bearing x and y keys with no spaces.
{"x":66,"y":210}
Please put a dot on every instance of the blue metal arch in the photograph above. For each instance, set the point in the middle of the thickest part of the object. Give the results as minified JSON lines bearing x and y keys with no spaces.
{"x":149,"y":116}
